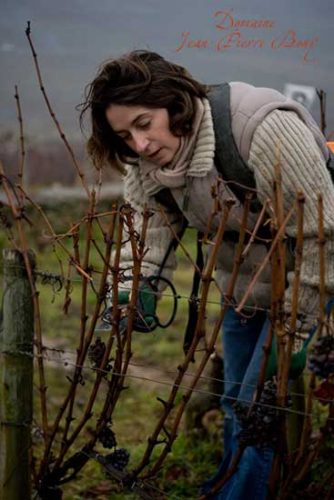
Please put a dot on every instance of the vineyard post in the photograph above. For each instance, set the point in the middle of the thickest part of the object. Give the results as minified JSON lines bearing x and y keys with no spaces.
{"x":16,"y":383}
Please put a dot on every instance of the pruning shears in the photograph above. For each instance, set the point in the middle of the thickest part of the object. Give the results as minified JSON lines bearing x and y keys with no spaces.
{"x":145,"y":319}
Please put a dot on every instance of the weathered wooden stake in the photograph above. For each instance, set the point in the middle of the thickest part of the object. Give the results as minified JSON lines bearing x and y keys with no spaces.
{"x":16,"y":371}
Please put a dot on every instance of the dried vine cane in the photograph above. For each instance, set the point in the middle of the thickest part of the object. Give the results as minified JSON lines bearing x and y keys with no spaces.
{"x":56,"y":238}
{"x":82,"y":354}
{"x":168,"y":405}
{"x":236,"y":459}
{"x":101,"y":369}
{"x":306,"y":464}
{"x":216,"y":209}
{"x":178,"y":239}
{"x":229,"y":473}
{"x":22,"y":147}
{"x":206,"y":279}
{"x":239,"y":253}
{"x":278,"y":263}
{"x":116,"y":384}
{"x":265,"y":261}
{"x":228,"y":296}
{"x":88,"y":339}
{"x":298,"y":252}
{"x":114,"y":389}
{"x":52,"y":113}
{"x":114,"y":332}
{"x":86,"y":259}
{"x":305,"y":457}
{"x":68,"y":290}
{"x":76,"y":239}
{"x":261,"y":379}
{"x":309,"y":402}
{"x":255,"y":229}
{"x":138,"y":255}
{"x":268,"y":343}
{"x":37,"y":316}
{"x":285,"y":366}
{"x":83,"y":316}
{"x":238,"y":259}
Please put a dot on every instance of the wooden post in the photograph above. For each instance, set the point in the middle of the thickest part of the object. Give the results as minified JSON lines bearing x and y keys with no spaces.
{"x":16,"y":371}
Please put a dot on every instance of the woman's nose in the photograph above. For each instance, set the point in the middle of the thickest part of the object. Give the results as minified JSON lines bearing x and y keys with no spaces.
{"x":141,"y":143}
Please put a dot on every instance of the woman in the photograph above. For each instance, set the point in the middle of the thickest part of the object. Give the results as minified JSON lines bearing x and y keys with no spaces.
{"x":150,"y":116}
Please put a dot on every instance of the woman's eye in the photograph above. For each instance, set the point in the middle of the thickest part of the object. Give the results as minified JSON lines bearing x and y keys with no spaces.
{"x":124,"y":137}
{"x":144,"y":124}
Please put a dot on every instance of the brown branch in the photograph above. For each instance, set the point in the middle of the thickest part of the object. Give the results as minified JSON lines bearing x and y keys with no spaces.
{"x":54,"y":235}
{"x":238,"y":259}
{"x":83,"y":315}
{"x":138,"y":251}
{"x":216,"y":209}
{"x":255,"y":230}
{"x":22,"y":157}
{"x":138,"y":256}
{"x":199,"y":333}
{"x":265,"y":261}
{"x":83,"y":353}
{"x":220,"y":483}
{"x":68,"y":290}
{"x":52,"y":114}
{"x":295,"y":287}
{"x":278,"y":321}
{"x":279,"y":276}
{"x":307,"y":427}
{"x":118,"y":373}
{"x":175,"y":235}
{"x":101,"y":296}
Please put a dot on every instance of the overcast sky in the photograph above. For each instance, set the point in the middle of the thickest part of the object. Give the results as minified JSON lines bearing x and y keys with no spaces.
{"x":72,"y":37}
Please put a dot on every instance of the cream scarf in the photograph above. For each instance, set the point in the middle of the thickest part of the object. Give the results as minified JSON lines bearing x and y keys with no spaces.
{"x":172,"y":175}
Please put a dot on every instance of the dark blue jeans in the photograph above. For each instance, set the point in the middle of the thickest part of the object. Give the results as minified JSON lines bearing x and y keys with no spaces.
{"x":243,"y":341}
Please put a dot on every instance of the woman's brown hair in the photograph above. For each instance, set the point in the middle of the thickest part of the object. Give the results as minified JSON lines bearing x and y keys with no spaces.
{"x":138,"y":78}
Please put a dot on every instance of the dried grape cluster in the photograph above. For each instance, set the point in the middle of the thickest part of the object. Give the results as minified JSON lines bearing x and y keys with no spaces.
{"x":95,"y":354}
{"x":118,"y":459}
{"x":107,"y":438}
{"x":260,"y":426}
{"x":321,"y":358}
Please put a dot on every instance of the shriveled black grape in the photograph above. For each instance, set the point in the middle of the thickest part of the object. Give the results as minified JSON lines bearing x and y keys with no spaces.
{"x":260,"y":426}
{"x":96,"y":352}
{"x":321,"y":358}
{"x":119,"y":459}
{"x":95,"y":355}
{"x":107,"y":438}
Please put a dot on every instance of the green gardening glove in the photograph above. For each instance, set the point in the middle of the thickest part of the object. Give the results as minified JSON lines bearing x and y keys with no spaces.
{"x":146,"y":319}
{"x":297,"y":365}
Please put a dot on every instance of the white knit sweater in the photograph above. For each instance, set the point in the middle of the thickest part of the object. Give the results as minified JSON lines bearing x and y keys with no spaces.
{"x":303,"y":169}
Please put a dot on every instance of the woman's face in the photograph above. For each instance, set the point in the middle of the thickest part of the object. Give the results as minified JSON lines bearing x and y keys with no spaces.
{"x":145,"y":130}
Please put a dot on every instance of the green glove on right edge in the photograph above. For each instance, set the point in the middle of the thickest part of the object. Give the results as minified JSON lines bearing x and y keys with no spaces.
{"x":297,"y":366}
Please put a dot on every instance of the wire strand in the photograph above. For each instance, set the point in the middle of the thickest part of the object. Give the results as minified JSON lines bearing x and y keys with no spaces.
{"x":203,"y":377}
{"x":171,"y":384}
{"x":55,"y":279}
